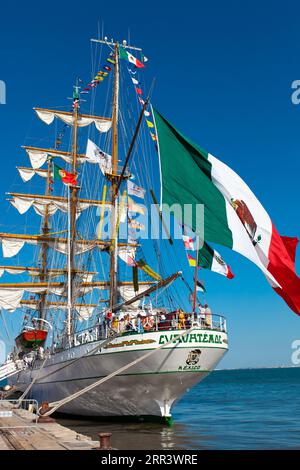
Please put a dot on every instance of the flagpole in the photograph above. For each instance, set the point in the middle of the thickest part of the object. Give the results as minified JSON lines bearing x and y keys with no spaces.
{"x":196,"y":276}
{"x":114,"y":187}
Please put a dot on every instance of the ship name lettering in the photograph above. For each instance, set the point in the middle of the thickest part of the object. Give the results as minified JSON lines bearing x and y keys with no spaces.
{"x":192,"y":338}
{"x":189,"y":367}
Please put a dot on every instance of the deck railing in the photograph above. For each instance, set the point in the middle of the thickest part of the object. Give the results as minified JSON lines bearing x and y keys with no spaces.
{"x":143,"y":324}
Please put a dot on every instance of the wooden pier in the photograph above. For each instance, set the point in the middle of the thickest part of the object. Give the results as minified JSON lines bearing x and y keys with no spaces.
{"x":20,"y":431}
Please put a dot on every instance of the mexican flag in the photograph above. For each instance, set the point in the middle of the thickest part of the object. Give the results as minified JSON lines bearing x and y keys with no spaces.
{"x":208,"y":258}
{"x":69,"y":179}
{"x":233,"y":216}
{"x":127,"y":56}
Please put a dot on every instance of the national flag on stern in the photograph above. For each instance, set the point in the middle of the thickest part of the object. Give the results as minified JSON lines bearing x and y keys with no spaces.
{"x":127,"y":56}
{"x":69,"y":179}
{"x":208,"y":258}
{"x":233,"y":216}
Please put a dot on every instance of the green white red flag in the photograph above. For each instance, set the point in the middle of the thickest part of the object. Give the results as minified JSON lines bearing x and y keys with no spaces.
{"x":208,"y":258}
{"x":127,"y":56}
{"x":233,"y":216}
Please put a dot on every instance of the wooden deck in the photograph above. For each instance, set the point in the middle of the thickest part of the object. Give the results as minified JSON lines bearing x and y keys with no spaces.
{"x":21,"y":432}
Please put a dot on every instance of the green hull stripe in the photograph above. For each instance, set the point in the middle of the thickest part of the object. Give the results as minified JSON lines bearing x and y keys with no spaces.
{"x":132,"y":350}
{"x":203,"y":371}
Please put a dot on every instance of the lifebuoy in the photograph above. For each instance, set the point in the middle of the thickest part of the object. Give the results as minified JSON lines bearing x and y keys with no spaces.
{"x":148,"y":323}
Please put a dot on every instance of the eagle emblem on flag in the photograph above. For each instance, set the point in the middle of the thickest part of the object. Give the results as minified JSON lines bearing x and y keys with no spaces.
{"x":245,"y":217}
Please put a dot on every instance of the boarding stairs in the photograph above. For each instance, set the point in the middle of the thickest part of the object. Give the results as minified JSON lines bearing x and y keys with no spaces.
{"x":10,"y":368}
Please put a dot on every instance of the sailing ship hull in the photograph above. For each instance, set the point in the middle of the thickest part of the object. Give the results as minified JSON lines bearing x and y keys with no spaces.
{"x":149,"y":388}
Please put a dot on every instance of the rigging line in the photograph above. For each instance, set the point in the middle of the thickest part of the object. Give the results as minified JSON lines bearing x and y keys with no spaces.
{"x":89,"y":353}
{"x":55,"y":405}
{"x":27,"y":390}
{"x":5,"y":327}
{"x":131,"y":146}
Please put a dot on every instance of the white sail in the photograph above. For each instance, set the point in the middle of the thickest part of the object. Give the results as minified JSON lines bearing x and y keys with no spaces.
{"x":39,"y":157}
{"x":47,"y":116}
{"x":23,"y":204}
{"x":28,"y":173}
{"x":10,"y":297}
{"x":84,"y":313}
{"x":128,"y":292}
{"x":15,"y":270}
{"x":11,"y":247}
{"x":79,"y":248}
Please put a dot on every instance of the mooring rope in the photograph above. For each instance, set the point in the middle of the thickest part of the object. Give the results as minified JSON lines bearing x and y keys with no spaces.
{"x":27,"y":390}
{"x":63,"y":367}
{"x":55,"y":405}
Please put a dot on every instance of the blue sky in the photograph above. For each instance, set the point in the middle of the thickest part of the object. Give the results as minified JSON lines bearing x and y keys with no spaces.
{"x":223,"y":76}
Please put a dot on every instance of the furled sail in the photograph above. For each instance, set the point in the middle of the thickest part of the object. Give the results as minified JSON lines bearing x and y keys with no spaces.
{"x":86,"y":276}
{"x":28,"y":173}
{"x":50,"y":204}
{"x":13,"y":243}
{"x":25,"y":202}
{"x":10,"y":298}
{"x":47,"y":116}
{"x":11,"y":246}
{"x":128,"y":292}
{"x":84,"y":311}
{"x":20,"y":270}
{"x":38,"y":156}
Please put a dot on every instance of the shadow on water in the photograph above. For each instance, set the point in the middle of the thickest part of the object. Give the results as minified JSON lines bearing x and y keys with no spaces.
{"x":135,"y":436}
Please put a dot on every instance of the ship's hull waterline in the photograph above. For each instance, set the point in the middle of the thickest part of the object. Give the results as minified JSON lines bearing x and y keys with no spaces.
{"x":149,"y":388}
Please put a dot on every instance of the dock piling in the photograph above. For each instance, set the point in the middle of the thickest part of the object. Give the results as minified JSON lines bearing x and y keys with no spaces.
{"x":104,"y":438}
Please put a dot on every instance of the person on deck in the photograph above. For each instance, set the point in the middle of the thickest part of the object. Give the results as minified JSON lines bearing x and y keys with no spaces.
{"x":121,"y":324}
{"x":139,"y":324}
{"x":181,"y":318}
{"x":108,"y":318}
{"x":201,"y":314}
{"x":115,"y":324}
{"x":174,"y":324}
{"x":208,"y":318}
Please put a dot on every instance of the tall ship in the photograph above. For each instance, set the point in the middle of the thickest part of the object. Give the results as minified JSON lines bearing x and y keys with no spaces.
{"x":105,"y":321}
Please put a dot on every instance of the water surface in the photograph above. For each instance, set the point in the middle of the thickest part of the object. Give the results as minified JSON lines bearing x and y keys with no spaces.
{"x":230,"y":409}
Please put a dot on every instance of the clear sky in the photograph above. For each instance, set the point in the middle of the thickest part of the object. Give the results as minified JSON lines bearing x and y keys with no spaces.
{"x":223,"y":77}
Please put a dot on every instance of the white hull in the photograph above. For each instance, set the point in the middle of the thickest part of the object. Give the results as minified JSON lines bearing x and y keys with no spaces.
{"x":149,"y":388}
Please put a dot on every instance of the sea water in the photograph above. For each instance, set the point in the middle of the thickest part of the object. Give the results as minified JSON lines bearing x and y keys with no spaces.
{"x":230,"y":409}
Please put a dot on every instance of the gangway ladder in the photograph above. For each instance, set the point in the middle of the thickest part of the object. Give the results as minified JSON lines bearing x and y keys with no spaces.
{"x":11,"y":368}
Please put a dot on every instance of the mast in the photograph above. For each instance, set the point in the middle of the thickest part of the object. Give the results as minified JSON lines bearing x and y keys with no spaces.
{"x":72,"y":203}
{"x":45,"y":231}
{"x":114,"y":177}
{"x":196,"y":276}
{"x":114,"y":186}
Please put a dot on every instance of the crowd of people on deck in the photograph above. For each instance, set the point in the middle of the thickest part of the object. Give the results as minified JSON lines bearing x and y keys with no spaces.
{"x":158,"y":320}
